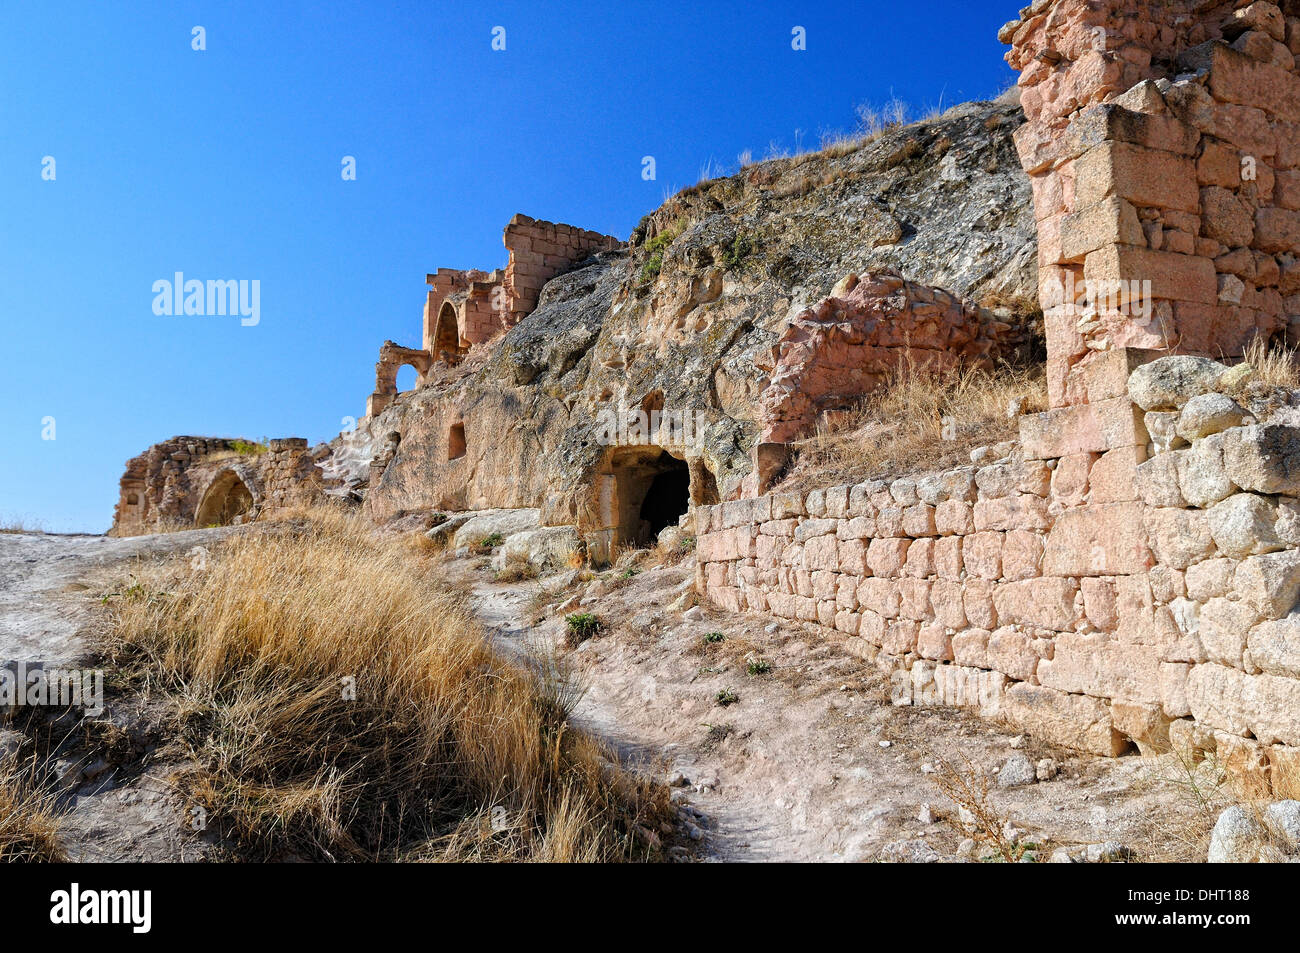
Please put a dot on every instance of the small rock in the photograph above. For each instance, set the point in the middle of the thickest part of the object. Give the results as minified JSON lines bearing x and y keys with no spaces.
{"x":1243,"y":837}
{"x":928,"y":768}
{"x":1209,"y":414}
{"x":909,"y":852}
{"x":925,"y":815}
{"x":1046,"y":769}
{"x":966,"y":848}
{"x":1017,"y":771}
{"x":1108,"y":852}
{"x":693,"y":613}
{"x":884,"y":744}
{"x":1018,"y":741}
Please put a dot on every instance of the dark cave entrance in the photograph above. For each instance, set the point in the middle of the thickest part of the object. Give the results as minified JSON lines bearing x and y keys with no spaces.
{"x":656,"y":491}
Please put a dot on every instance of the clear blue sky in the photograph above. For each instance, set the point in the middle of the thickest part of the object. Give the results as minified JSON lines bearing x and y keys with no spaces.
{"x":226,"y":163}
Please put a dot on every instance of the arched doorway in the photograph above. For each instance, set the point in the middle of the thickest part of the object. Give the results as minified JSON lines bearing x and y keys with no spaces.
{"x":446,"y":335}
{"x":227,"y":501}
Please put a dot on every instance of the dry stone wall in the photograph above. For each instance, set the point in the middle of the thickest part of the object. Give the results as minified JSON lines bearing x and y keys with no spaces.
{"x":1128,"y":580}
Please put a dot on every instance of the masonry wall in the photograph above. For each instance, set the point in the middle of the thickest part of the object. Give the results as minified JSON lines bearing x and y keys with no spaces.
{"x":1092,"y":585}
{"x":539,"y":251}
{"x":164,"y":487}
{"x":1162,"y":146}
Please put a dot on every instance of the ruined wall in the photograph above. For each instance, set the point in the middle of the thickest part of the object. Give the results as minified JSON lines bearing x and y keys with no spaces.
{"x":1092,"y":584}
{"x":1163,"y":150}
{"x":539,"y":251}
{"x":467,"y":308}
{"x":196,"y":481}
{"x":851,"y":342}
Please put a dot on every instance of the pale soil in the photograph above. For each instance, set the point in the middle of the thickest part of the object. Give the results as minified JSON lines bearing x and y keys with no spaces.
{"x":795,"y":770}
{"x":128,"y":812}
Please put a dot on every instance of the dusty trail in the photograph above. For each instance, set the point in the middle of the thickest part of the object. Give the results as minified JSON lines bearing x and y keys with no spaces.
{"x":813,"y":763}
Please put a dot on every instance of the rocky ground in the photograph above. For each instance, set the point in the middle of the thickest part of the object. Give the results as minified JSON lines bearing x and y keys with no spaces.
{"x":118,"y":801}
{"x":810,"y":762}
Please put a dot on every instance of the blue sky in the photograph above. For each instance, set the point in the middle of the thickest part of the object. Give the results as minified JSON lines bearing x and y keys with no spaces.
{"x":225,"y":164}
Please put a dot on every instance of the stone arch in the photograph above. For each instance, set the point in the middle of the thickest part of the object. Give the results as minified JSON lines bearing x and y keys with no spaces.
{"x":230,"y":498}
{"x":446,"y":336}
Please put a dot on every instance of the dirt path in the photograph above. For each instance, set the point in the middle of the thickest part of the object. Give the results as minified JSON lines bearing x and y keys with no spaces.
{"x":813,"y":762}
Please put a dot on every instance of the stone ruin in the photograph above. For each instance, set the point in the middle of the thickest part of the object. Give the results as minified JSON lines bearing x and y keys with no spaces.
{"x":1124,"y":573}
{"x":1127,"y":572}
{"x":465,"y":309}
{"x":188,"y":482}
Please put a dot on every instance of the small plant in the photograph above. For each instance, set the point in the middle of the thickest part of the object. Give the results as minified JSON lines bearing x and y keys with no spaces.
{"x":655,"y":248}
{"x":968,"y":788}
{"x":629,"y":572}
{"x":491,"y":541}
{"x":726,"y":697}
{"x":248,"y":448}
{"x":758,"y":666}
{"x":741,"y":248}
{"x":582,"y":626}
{"x":713,"y":638}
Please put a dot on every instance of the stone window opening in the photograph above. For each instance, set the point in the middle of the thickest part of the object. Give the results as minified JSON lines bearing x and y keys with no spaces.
{"x":456,"y":441}
{"x":406,"y":379}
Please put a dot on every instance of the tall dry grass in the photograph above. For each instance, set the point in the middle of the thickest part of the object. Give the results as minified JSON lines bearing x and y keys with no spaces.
{"x":921,"y":419}
{"x":341,"y":702}
{"x":1274,"y":364}
{"x":29,"y":824}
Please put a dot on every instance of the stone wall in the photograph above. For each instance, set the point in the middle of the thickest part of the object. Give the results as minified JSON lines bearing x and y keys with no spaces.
{"x":1127,"y":579}
{"x":1164,"y":153}
{"x":852,"y":341}
{"x":186,"y":482}
{"x":539,"y":251}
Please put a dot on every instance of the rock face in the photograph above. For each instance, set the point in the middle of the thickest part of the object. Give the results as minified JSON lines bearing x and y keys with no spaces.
{"x":686,"y":319}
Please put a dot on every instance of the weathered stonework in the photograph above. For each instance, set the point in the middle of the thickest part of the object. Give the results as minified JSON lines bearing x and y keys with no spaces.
{"x":190,"y":482}
{"x":468,"y":308}
{"x":1067,"y":588}
{"x":1163,"y":150}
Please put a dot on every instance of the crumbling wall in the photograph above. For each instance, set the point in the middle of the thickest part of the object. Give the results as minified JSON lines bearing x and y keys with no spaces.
{"x":1130,"y":578}
{"x":850,"y":343}
{"x":539,"y":251}
{"x":1163,"y":150}
{"x":167,"y":486}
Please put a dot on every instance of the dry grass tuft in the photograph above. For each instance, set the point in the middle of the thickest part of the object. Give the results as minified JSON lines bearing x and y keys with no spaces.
{"x":341,"y":702}
{"x":1274,"y":364}
{"x":29,"y":826}
{"x":920,"y":420}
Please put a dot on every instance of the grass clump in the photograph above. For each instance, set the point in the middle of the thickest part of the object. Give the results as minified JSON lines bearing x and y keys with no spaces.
{"x":726,"y":698}
{"x":338,"y":700}
{"x":581,"y":627}
{"x":713,"y":638}
{"x":248,"y":448}
{"x":758,"y":666}
{"x":29,"y":826}
{"x":921,"y":419}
